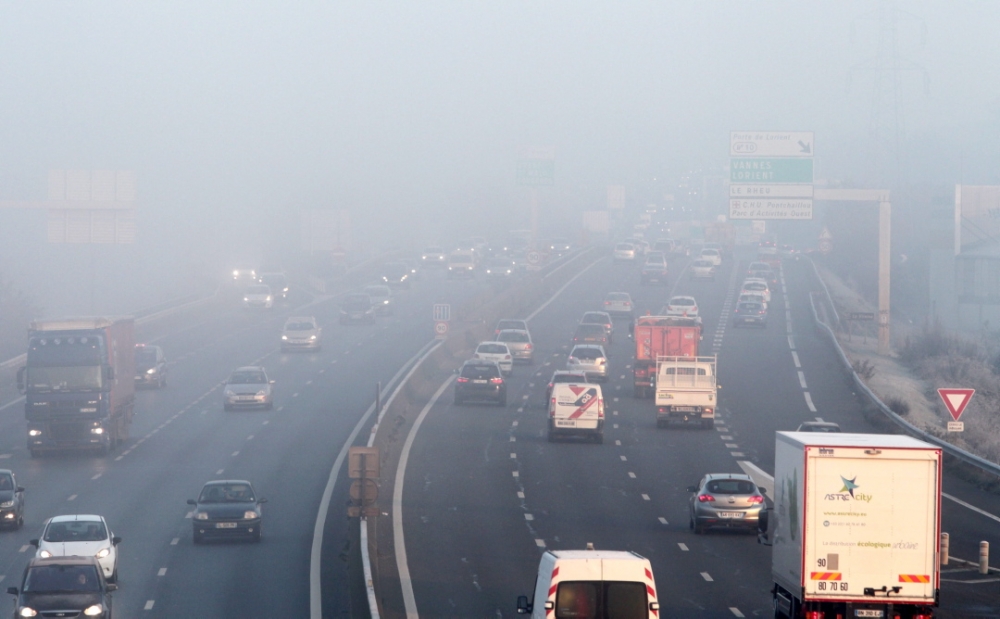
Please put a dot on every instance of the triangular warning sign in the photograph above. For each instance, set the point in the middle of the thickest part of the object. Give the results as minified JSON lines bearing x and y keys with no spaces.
{"x":956,"y":400}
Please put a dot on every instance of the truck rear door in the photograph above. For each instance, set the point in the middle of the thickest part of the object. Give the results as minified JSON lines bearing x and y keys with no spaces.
{"x":577,"y":406}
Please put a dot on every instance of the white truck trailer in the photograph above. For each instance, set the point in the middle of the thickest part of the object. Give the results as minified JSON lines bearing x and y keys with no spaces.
{"x":855,"y":530}
{"x":686,"y":390}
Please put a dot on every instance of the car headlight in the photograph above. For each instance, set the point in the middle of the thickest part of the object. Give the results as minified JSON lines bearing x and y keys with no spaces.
{"x":236,"y":273}
{"x":93,"y":611}
{"x":284,"y":337}
{"x":249,"y":514}
{"x":34,"y":432}
{"x":268,"y":298}
{"x":246,"y":299}
{"x":27,"y":611}
{"x":45,"y":554}
{"x":386,"y":302}
{"x":261,"y":393}
{"x":103,"y":552}
{"x":97,"y":430}
{"x":151,"y":371}
{"x":230,"y":392}
{"x":9,"y":503}
{"x":201,"y":516}
{"x":312,"y":337}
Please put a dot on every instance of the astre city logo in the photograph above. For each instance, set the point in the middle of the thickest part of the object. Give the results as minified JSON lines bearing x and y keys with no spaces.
{"x":847,"y":492}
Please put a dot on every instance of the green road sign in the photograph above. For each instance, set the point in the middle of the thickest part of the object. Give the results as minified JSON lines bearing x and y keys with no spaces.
{"x":536,"y":172}
{"x":763,"y":170}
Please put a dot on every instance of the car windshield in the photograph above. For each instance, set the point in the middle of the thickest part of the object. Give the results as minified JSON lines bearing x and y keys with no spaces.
{"x":731,"y":486}
{"x":510,"y":324}
{"x":590,"y":329}
{"x":299,"y":326}
{"x":434,"y":250}
{"x":601,"y":599}
{"x":77,"y":378}
{"x":258,"y":290}
{"x":513,"y":336}
{"x":480,"y":372}
{"x":755,"y":286}
{"x":492,"y":349}
{"x":6,"y":482}
{"x":586,"y":353}
{"x":75,"y":531}
{"x":595,"y":318}
{"x":618,"y":296}
{"x":569,"y":378}
{"x":145,"y":356}
{"x":624,"y":247}
{"x":226,"y":493}
{"x":750,"y":307}
{"x":247,"y":378}
{"x":709,"y":252}
{"x":61,"y":578}
{"x":682,"y":301}
{"x":702,"y":263}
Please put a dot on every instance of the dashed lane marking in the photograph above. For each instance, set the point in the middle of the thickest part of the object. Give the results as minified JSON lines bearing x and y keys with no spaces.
{"x":618,"y":442}
{"x":645,"y":497}
{"x":737,"y":454}
{"x":513,"y":439}
{"x":726,"y":438}
{"x":802,"y":380}
{"x":540,"y":543}
{"x":220,"y":471}
{"x":707,"y":578}
{"x":731,"y":445}
{"x":683,"y":547}
{"x":663,"y":520}
{"x":175,"y":541}
{"x":162,"y":572}
{"x":616,"y":426}
{"x":513,"y":456}
{"x":529,"y":517}
{"x":5,"y":456}
{"x":235,"y":453}
{"x":98,"y":476}
{"x":250,"y":438}
{"x":149,"y":605}
{"x":520,"y":494}
{"x":623,"y":458}
{"x":736,"y":612}
{"x":515,"y":473}
{"x":809,"y":402}
{"x":795,"y":358}
{"x":791,"y":342}
{"x":515,"y":422}
{"x":631,"y":474}
{"x":72,"y":497}
{"x":25,"y":547}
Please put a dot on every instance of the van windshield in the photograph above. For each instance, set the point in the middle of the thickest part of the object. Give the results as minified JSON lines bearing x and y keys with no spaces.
{"x":601,"y":600}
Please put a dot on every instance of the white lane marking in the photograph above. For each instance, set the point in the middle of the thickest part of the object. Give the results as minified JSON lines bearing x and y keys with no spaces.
{"x":614,"y":412}
{"x":295,"y":395}
{"x":25,"y":547}
{"x":309,"y":382}
{"x":12,"y":403}
{"x":149,"y":605}
{"x":119,"y":458}
{"x":617,"y":442}
{"x":707,"y":577}
{"x":529,"y":517}
{"x":520,"y":494}
{"x":513,"y":439}
{"x":162,"y":571}
{"x":819,"y":419}
{"x":683,"y":547}
{"x":72,"y":497}
{"x":250,"y":438}
{"x":645,"y":497}
{"x":726,"y":437}
{"x":5,"y":456}
{"x":266,"y":421}
{"x":524,"y":397}
{"x":795,"y":358}
{"x":972,"y":507}
{"x":631,"y":474}
{"x":737,"y":454}
{"x":558,"y":292}
{"x":624,"y":459}
{"x":736,"y":612}
{"x":189,"y":514}
{"x":802,"y":380}
{"x":616,"y":426}
{"x":2,"y":576}
{"x":515,"y":473}
{"x":663,"y":520}
{"x":219,"y":472}
{"x":235,"y":453}
{"x":512,"y":456}
{"x":791,"y":342}
{"x":514,"y":424}
{"x":809,"y":402}
{"x":98,"y":476}
{"x":540,"y":543}
{"x":731,"y":445}
{"x":764,"y":481}
{"x":174,"y":541}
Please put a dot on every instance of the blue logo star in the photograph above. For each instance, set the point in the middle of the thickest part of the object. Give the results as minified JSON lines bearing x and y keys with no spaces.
{"x":849,"y":485}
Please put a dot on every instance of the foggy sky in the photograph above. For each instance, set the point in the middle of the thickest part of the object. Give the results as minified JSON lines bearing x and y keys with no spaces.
{"x":236,"y":114}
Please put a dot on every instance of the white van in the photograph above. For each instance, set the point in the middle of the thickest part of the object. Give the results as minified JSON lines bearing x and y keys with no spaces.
{"x":601,"y":584}
{"x":576,"y":408}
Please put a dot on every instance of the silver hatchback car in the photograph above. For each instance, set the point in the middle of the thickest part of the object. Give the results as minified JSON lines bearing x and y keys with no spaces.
{"x":519,"y":343}
{"x":248,"y":387}
{"x":589,"y":359}
{"x":725,"y":500}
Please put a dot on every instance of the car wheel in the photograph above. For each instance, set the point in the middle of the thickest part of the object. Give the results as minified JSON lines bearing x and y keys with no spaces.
{"x":707,"y":424}
{"x":114,"y":576}
{"x":197,"y":538}
{"x":258,"y":533}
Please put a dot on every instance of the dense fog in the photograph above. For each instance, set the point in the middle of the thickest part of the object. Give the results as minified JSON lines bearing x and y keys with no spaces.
{"x":234,"y":116}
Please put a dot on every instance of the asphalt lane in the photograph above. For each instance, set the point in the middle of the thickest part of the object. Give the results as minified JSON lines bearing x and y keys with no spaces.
{"x":181,"y":438}
{"x":486,"y":492}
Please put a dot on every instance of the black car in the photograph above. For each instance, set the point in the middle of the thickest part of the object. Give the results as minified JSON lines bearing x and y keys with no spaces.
{"x":750,"y":313}
{"x":396,"y":274}
{"x":357,"y":307}
{"x":150,"y":366}
{"x":11,"y":500}
{"x":63,"y":587}
{"x":653,"y":271}
{"x":480,"y":380}
{"x":226,"y":509}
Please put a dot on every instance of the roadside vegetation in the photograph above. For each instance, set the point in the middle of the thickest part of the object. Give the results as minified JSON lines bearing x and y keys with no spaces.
{"x":16,"y":311}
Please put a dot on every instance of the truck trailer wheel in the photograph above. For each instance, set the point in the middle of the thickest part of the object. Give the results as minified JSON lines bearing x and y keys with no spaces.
{"x":707,"y":424}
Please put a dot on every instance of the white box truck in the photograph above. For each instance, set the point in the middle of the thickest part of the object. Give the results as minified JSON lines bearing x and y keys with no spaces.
{"x":855,"y":528}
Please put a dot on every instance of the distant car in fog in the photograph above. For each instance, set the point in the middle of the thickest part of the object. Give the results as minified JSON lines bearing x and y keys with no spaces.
{"x":434,"y":255}
{"x":248,"y":387}
{"x":258,"y":296}
{"x":500,"y":267}
{"x":559,"y":246}
{"x":462,"y":263}
{"x":712,"y":255}
{"x":244,"y":275}
{"x":381,"y":298}
{"x":301,"y":333}
{"x":357,"y":307}
{"x":278,"y":283}
{"x":818,"y":426}
{"x":702,"y":269}
{"x":150,"y":366}
{"x":624,"y":252}
{"x":396,"y":275}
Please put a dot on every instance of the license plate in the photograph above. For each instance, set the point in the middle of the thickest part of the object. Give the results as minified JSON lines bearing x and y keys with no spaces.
{"x":734,"y":515}
{"x":565,"y":423}
{"x":861,"y":612}
{"x":225,"y":525}
{"x":246,"y":398}
{"x":685,"y":409}
{"x":479,"y":382}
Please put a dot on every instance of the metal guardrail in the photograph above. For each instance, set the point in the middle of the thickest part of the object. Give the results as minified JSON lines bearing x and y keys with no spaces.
{"x":907,"y":427}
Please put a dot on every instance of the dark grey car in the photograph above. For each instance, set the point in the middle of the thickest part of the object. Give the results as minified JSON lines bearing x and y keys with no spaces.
{"x":11,"y":500}
{"x":519,"y":343}
{"x":750,"y":313}
{"x":63,"y":587}
{"x":226,"y":509}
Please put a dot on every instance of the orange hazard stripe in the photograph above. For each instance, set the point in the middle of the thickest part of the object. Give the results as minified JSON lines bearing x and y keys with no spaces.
{"x":824,"y":575}
{"x":914,"y":578}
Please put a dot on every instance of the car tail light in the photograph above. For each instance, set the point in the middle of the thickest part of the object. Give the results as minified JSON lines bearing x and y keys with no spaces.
{"x":552,"y":407}
{"x":814,"y":614}
{"x":601,"y":361}
{"x":497,"y":380}
{"x":571,"y":359}
{"x":506,"y":357}
{"x":706,"y":498}
{"x":550,"y":386}
{"x":607,"y":302}
{"x":600,"y":408}
{"x":462,"y":379}
{"x":756,"y":499}
{"x":527,"y":346}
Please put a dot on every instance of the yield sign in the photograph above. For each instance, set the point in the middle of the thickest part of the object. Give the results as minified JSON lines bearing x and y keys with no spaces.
{"x":956,"y":400}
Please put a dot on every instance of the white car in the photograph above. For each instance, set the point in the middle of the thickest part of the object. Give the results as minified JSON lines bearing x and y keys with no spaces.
{"x":682,"y":306}
{"x":624,"y":251}
{"x":618,"y":304}
{"x":702,"y":269}
{"x":712,"y":255}
{"x":752,"y":296}
{"x":258,"y":296}
{"x":301,"y":333}
{"x":757,"y":285}
{"x":591,"y":360}
{"x":381,"y":298}
{"x":497,"y":352}
{"x":81,"y":536}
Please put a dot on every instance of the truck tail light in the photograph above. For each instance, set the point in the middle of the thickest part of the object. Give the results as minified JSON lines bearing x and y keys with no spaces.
{"x":552,"y":407}
{"x":600,"y":408}
{"x":708,"y":409}
{"x":814,"y":614}
{"x":706,"y":498}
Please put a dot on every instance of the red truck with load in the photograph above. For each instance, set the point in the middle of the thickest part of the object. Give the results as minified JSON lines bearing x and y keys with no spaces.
{"x":661,"y":336}
{"x":79,"y":383}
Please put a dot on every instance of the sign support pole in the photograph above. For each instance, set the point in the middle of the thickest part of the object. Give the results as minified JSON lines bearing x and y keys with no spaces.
{"x":884,"y":254}
{"x":534,"y":218}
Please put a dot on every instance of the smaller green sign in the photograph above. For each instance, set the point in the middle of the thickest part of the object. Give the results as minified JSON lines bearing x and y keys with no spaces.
{"x":763,"y":170}
{"x":536,"y":172}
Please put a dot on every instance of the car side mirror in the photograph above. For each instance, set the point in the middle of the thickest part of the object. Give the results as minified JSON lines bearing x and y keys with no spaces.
{"x":692,"y":488}
{"x":261,"y":501}
{"x":12,"y":590}
{"x":116,"y":540}
{"x":111,"y":586}
{"x":192,"y":502}
{"x":33,"y":542}
{"x":523,"y":608}
{"x":20,"y":488}
{"x":270,"y":382}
